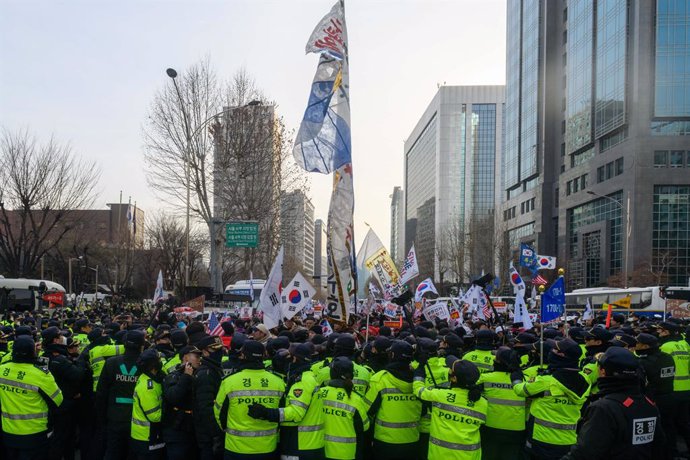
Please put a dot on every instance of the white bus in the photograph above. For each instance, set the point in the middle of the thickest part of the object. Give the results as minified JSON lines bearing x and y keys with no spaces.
{"x":648,"y":301}
{"x":21,"y":294}
{"x":244,"y":287}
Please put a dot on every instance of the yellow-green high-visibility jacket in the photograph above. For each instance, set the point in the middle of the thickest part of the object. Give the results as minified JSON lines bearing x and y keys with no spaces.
{"x":24,"y":391}
{"x":506,"y":409}
{"x":455,"y":422}
{"x":170,"y":364}
{"x":439,"y":371}
{"x":361,"y":378}
{"x":340,"y":414}
{"x":97,"y":357}
{"x":399,"y":410}
{"x":83,"y":341}
{"x":303,"y":410}
{"x":244,"y":434}
{"x":555,"y":408}
{"x":680,"y":350}
{"x":147,"y":409}
{"x":483,"y":359}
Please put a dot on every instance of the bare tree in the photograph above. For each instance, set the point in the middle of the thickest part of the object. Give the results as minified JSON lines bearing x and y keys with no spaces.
{"x":452,"y":250}
{"x":235,"y":149}
{"x":41,"y":185}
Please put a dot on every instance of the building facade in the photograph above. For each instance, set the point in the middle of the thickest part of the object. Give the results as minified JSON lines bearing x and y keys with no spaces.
{"x":397,"y":249}
{"x":297,"y":232}
{"x":599,"y":173}
{"x":452,"y":164}
{"x":320,"y":254}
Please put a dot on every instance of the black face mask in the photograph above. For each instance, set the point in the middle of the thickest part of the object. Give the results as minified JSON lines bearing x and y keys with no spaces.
{"x":217,"y":355}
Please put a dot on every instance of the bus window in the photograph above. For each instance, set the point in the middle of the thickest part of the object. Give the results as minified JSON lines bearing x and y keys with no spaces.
{"x":20,"y":299}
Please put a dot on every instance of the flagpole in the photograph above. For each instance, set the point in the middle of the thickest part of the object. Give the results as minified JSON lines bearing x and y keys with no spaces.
{"x":541,"y":328}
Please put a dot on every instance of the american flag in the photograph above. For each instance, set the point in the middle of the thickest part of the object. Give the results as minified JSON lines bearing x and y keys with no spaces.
{"x":538,"y":279}
{"x":214,"y":325}
{"x":486,"y":308}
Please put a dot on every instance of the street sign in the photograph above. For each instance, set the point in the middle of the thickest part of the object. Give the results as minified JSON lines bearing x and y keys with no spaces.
{"x":241,"y":234}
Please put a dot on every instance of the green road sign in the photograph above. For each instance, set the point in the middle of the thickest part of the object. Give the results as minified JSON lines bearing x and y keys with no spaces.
{"x":241,"y":234}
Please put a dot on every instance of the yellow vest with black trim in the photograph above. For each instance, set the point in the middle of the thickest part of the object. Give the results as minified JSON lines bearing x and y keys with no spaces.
{"x":455,"y":422}
{"x":483,"y":359}
{"x":303,"y":410}
{"x":397,"y":419}
{"x":555,"y":409}
{"x":244,"y":434}
{"x":339,"y":412}
{"x":506,"y":409}
{"x":24,"y":388}
{"x":170,"y":364}
{"x":83,"y":340}
{"x":439,"y":371}
{"x":680,"y":350}
{"x":147,"y":408}
{"x":97,"y":357}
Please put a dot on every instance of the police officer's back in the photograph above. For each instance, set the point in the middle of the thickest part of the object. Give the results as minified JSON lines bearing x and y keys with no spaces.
{"x":245,"y":435}
{"x":147,"y":409}
{"x":115,"y":395}
{"x":622,"y":424}
{"x":27,"y":393}
{"x":482,"y":356}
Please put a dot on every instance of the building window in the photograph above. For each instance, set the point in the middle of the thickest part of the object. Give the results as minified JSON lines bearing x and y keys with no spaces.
{"x":583,"y":182}
{"x":569,"y":188}
{"x":600,"y":174}
{"x":613,"y":140}
{"x":671,"y":95}
{"x":671,"y":232}
{"x":670,"y":128}
{"x":576,"y":185}
{"x":677,"y":158}
{"x":609,"y":171}
{"x":619,"y":166}
{"x":522,"y":207}
{"x":660,"y":158}
{"x":557,"y":197}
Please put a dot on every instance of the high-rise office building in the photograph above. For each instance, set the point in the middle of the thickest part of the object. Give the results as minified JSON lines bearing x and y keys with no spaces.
{"x":452,"y":162}
{"x":320,"y":254}
{"x":397,"y":249}
{"x":596,"y":165}
{"x":297,"y":232}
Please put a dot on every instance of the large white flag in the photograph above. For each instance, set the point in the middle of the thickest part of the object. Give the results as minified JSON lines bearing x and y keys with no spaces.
{"x":158,"y":294}
{"x":296,"y":295}
{"x":424,"y":287}
{"x":269,"y":300}
{"x":410,"y":267}
{"x":521,"y":314}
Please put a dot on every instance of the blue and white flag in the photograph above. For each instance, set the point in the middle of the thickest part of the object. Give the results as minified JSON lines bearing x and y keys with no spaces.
{"x":521,"y":314}
{"x":553,"y":301}
{"x":588,"y":313}
{"x":528,"y":257}
{"x":323,"y":141}
{"x":158,"y":293}
{"x":410,"y":268}
{"x":546,"y":262}
{"x":516,"y":280}
{"x":251,"y":286}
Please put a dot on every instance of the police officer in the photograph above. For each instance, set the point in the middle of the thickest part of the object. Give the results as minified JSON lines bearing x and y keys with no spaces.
{"x":344,"y":413}
{"x":301,"y":432}
{"x":99,"y":349}
{"x":482,"y":356}
{"x":232,"y":363}
{"x":503,"y":435}
{"x":147,"y":409}
{"x":671,"y":342}
{"x":557,"y":397}
{"x":622,"y":424}
{"x":436,"y":377}
{"x":82,"y":330}
{"x":659,"y":369}
{"x":178,"y":399}
{"x":345,"y":346}
{"x":247,"y":437}
{"x":115,"y":395}
{"x":394,"y":407}
{"x":208,"y":435}
{"x":69,"y":377}
{"x":457,"y":412}
{"x":27,"y":393}
{"x":178,"y":340}
{"x":596,"y":342}
{"x":377,"y":357}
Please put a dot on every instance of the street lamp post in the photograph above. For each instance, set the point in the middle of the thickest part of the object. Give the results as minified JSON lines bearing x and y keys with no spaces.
{"x":69,"y":272}
{"x":628,"y":230}
{"x":189,"y":135}
{"x":96,"y":283}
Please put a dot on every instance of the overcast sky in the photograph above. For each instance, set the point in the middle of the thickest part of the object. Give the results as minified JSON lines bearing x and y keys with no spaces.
{"x":86,"y":71}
